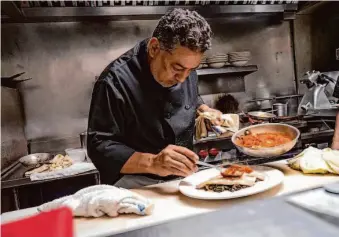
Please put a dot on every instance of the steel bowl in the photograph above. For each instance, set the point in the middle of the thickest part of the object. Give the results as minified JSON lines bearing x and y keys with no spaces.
{"x":259,"y":115}
{"x":269,"y":151}
{"x":34,"y":159}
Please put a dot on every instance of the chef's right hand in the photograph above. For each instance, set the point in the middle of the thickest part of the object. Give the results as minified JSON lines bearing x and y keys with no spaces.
{"x":175,"y":160}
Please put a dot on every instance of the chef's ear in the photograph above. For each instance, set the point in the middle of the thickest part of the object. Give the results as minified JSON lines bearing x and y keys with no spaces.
{"x":153,"y":47}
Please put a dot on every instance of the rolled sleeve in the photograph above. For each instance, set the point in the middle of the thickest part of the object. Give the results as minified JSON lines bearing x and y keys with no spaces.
{"x":106,"y":143}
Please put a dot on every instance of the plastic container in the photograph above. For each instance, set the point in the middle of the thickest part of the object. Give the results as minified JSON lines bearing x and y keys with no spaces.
{"x":76,"y":154}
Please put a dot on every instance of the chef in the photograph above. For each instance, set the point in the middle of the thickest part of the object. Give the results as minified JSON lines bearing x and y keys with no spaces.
{"x":143,"y":107}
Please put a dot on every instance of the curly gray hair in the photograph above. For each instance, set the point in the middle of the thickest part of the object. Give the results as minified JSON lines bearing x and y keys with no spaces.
{"x":184,"y":27}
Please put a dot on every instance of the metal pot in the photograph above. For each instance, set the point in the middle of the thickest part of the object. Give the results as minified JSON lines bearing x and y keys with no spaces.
{"x":270,"y":151}
{"x":280,"y":109}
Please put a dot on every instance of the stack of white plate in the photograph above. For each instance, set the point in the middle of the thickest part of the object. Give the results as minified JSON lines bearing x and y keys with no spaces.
{"x":239,"y":58}
{"x":203,"y":62}
{"x":217,"y":60}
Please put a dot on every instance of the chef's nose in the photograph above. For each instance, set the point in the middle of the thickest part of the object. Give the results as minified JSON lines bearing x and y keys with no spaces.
{"x":182,"y":76}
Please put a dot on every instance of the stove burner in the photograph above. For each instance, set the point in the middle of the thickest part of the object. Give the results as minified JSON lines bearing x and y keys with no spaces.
{"x":313,"y":130}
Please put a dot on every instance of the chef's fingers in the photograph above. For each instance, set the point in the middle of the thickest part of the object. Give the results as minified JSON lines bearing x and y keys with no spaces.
{"x":175,"y":171}
{"x":180,"y":167}
{"x":186,"y":152}
{"x":182,"y":159}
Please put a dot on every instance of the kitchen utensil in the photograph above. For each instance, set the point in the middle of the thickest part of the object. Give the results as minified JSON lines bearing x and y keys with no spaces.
{"x":239,"y":56}
{"x":263,"y":128}
{"x":83,"y":140}
{"x":36,"y":158}
{"x":76,"y":154}
{"x":260,"y":115}
{"x":281,"y":109}
{"x":11,"y":82}
{"x":239,"y":63}
{"x":217,"y":65}
{"x":209,"y":165}
{"x":187,"y":186}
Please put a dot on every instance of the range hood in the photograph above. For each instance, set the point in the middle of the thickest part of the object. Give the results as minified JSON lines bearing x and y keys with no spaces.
{"x":47,"y":11}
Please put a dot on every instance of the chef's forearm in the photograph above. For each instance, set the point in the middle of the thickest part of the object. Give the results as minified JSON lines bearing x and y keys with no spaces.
{"x":138,"y":163}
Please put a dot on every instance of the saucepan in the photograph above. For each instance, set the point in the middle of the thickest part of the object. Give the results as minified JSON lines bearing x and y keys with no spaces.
{"x":260,"y":115}
{"x":264,"y":128}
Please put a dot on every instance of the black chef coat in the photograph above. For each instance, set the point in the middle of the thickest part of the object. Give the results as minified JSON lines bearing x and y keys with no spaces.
{"x":130,"y":111}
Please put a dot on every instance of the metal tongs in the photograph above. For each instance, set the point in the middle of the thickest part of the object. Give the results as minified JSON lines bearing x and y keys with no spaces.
{"x":218,"y":167}
{"x":11,"y":82}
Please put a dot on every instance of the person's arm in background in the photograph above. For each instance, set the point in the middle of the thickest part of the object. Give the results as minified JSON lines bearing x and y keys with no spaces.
{"x":335,"y":143}
{"x":106,"y":143}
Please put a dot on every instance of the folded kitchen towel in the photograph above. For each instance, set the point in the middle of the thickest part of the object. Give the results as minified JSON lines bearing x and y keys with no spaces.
{"x":76,"y":168}
{"x":100,"y":200}
{"x":229,"y":124}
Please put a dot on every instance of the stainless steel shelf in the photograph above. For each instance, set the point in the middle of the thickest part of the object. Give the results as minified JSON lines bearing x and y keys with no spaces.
{"x":38,"y":14}
{"x":228,"y":70}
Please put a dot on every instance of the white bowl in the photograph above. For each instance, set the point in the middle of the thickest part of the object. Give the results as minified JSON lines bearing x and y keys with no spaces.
{"x":216,"y":65}
{"x":76,"y":154}
{"x":239,"y":63}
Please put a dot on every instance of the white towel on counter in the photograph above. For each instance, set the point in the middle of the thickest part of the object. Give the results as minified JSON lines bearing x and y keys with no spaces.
{"x":99,"y":200}
{"x":76,"y":168}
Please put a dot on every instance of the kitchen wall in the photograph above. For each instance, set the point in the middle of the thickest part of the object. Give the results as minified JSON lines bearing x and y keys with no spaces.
{"x":13,"y":141}
{"x":64,"y":58}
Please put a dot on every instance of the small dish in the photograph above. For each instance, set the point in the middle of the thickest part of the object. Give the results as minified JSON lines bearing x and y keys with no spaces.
{"x":239,"y":63}
{"x":217,"y":65}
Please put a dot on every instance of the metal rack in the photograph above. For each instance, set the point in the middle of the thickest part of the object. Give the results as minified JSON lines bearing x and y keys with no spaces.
{"x":228,"y":70}
{"x":46,"y":11}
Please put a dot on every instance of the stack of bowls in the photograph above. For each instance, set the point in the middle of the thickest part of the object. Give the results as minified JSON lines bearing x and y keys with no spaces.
{"x":203,"y":62}
{"x":217,"y":60}
{"x":239,"y":58}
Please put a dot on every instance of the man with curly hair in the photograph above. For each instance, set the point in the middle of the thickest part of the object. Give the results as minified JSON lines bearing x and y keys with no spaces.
{"x":141,"y":120}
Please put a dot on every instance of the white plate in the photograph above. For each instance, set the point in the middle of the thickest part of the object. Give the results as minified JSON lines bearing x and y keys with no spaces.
{"x":273,"y":177}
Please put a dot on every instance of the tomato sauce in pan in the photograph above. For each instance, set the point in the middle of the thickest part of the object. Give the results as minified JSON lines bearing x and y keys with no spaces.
{"x":263,"y":140}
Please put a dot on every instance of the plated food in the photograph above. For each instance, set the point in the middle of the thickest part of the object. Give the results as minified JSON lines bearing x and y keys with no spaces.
{"x":232,"y":179}
{"x":233,"y":182}
{"x":58,"y":162}
{"x":263,"y":140}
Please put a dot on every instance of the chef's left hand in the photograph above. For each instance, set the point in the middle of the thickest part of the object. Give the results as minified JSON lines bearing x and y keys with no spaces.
{"x":218,"y":120}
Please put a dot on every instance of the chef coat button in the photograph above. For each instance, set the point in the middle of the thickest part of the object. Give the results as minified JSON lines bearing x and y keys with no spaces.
{"x":187,"y":107}
{"x":168,"y":115}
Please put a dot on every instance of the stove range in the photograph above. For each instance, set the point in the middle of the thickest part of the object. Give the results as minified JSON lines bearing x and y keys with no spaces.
{"x":314,"y":131}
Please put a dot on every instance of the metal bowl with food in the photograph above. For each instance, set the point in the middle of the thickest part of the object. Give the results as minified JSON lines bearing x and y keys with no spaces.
{"x":34,"y":159}
{"x":289,"y":138}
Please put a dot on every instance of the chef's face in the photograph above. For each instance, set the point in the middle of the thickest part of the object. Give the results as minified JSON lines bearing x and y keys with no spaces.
{"x":171,"y":67}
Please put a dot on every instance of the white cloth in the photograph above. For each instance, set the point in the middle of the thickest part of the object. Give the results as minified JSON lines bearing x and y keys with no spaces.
{"x":98,"y":200}
{"x":76,"y":168}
